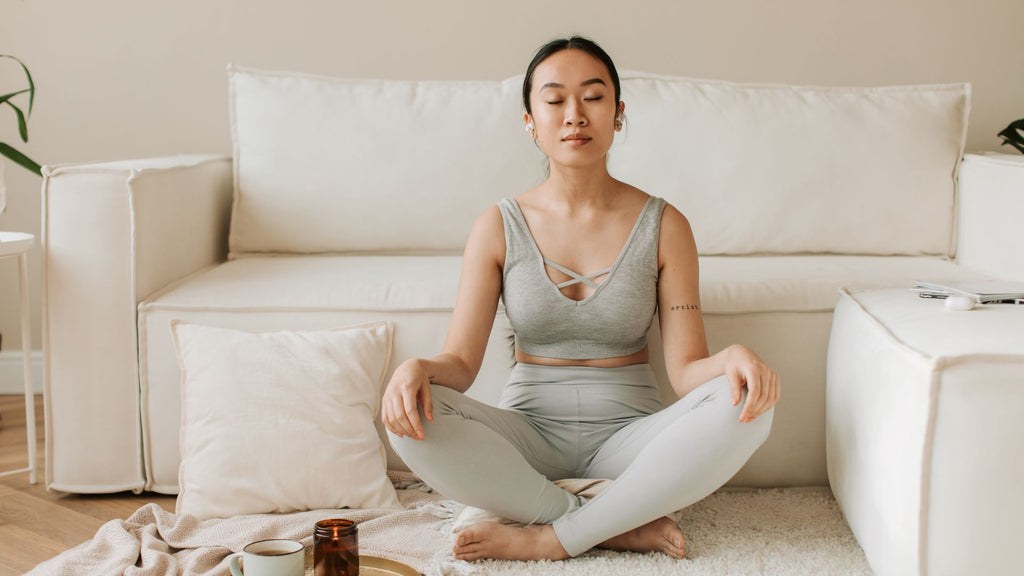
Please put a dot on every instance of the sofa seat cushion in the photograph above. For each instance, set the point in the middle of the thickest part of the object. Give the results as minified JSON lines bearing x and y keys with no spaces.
{"x":729,"y":285}
{"x":736,"y":285}
{"x":327,"y":282}
{"x":749,"y":300}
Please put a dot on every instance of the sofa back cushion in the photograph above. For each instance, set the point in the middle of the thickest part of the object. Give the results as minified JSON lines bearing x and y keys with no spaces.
{"x":775,"y":169}
{"x":338,"y":165}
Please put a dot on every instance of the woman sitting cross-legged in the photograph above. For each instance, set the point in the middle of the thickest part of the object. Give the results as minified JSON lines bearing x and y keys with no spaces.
{"x":582,"y":263}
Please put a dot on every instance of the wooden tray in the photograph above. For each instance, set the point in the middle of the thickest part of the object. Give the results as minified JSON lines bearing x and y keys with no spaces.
{"x":374,"y":566}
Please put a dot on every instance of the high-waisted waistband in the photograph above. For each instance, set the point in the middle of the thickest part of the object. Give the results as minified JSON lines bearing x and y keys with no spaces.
{"x":582,"y":393}
{"x":631,"y":375}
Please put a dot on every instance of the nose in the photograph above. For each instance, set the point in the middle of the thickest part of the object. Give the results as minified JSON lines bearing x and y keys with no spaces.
{"x":574,"y":114}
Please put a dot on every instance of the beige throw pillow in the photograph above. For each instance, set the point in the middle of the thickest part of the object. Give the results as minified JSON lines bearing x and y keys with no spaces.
{"x":278,"y":422}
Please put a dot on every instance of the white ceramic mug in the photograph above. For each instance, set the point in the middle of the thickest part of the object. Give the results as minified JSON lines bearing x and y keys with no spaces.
{"x":270,"y":558}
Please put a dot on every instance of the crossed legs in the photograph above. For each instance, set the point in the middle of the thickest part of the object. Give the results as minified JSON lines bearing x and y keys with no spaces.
{"x":663,"y":463}
{"x":497,"y":460}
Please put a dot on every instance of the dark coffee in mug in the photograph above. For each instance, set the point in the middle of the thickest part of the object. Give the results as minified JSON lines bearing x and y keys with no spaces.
{"x":273,"y":557}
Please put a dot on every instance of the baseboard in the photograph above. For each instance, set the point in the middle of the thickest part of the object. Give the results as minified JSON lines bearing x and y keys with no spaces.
{"x":11,"y":371}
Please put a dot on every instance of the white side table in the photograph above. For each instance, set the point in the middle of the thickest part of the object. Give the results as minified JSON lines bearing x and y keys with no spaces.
{"x":17,"y":244}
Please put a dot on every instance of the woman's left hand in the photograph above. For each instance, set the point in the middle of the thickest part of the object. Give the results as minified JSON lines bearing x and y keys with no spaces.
{"x":744,"y":368}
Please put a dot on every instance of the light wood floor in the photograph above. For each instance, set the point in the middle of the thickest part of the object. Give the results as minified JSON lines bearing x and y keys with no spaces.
{"x":35,"y":524}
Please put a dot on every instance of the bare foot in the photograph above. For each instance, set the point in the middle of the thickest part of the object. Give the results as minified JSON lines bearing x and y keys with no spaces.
{"x":661,"y":535}
{"x":493,"y":540}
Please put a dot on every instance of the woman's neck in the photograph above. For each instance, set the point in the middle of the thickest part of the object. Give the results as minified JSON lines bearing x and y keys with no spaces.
{"x":580,"y":186}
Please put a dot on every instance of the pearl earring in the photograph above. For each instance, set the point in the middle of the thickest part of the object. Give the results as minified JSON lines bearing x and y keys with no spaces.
{"x":529,"y":128}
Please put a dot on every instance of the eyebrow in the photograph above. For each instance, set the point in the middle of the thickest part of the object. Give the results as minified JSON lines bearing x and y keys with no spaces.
{"x":584,"y":83}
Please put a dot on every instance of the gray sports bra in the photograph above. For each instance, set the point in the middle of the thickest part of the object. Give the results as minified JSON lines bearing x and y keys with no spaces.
{"x":612,"y":321}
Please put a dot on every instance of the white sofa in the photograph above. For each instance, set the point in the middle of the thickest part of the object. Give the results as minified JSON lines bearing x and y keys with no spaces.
{"x":346,"y":201}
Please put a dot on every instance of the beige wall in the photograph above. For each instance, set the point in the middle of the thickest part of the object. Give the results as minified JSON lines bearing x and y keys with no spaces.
{"x":130,"y":78}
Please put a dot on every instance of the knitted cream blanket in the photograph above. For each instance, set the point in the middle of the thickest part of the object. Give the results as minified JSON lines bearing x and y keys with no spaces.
{"x":154,"y":542}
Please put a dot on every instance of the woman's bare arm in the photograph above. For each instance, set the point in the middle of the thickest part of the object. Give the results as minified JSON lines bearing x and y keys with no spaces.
{"x":463,"y":352}
{"x":687,"y":360}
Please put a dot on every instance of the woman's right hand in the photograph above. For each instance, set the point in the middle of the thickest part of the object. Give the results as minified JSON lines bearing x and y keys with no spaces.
{"x":408,"y":387}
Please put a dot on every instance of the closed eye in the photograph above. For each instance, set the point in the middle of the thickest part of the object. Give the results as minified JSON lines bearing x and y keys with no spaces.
{"x":556,"y":102}
{"x":594,"y":99}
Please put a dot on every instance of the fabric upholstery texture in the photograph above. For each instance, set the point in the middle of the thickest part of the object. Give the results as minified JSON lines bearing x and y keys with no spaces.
{"x":281,"y":421}
{"x":990,"y":204}
{"x":339,"y":165}
{"x":782,"y":169}
{"x":750,"y":300}
{"x":757,"y":168}
{"x":924,"y":422}
{"x":384,"y":283}
{"x":113,"y":233}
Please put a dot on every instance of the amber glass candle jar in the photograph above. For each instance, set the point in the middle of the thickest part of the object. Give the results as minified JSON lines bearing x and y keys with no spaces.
{"x":335,"y":548}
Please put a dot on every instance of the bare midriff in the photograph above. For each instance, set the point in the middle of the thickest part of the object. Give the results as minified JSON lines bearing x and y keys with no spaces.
{"x":641,"y":357}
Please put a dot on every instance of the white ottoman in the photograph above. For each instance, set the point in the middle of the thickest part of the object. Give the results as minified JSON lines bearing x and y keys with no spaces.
{"x":925,"y":432}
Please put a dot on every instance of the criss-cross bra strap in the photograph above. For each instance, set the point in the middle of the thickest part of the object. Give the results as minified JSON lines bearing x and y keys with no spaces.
{"x":577,"y":278}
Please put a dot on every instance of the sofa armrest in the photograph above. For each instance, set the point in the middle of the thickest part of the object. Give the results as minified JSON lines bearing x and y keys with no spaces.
{"x":991,"y":200}
{"x":113,"y":233}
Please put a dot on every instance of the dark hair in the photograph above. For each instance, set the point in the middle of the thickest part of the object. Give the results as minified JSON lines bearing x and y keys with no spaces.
{"x":572,"y":43}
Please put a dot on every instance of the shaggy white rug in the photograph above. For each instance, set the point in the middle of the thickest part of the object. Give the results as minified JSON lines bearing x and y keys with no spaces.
{"x":784,"y":531}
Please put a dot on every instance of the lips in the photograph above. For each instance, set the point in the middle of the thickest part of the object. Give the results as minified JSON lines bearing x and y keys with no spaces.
{"x":575,"y":138}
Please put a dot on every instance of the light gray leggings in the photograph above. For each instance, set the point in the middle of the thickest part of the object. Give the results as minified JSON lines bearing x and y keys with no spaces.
{"x":559,"y":422}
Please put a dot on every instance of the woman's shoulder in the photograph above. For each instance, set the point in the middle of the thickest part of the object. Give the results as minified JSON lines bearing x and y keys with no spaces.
{"x":675,"y":234}
{"x":674,"y":222}
{"x":671,"y":216}
{"x":487,"y":237}
{"x":490,"y":219}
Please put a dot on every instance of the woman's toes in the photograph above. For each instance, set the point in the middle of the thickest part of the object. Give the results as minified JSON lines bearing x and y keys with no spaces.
{"x":466,"y":537}
{"x":676,"y":551}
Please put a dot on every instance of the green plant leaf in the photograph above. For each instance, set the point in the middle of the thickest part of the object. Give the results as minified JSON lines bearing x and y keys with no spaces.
{"x":31,"y":84}
{"x":20,"y":159}
{"x":7,"y":97}
{"x":22,"y":124}
{"x":7,"y":151}
{"x":1019,"y":147}
{"x":1014,"y":135}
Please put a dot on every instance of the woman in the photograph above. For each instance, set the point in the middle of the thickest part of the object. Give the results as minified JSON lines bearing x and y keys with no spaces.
{"x":582,"y":400}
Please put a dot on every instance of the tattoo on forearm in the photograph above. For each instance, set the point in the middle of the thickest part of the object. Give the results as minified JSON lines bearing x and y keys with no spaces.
{"x":685,"y":307}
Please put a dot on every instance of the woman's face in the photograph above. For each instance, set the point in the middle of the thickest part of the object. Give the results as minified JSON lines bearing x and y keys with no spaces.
{"x":574,"y":112}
